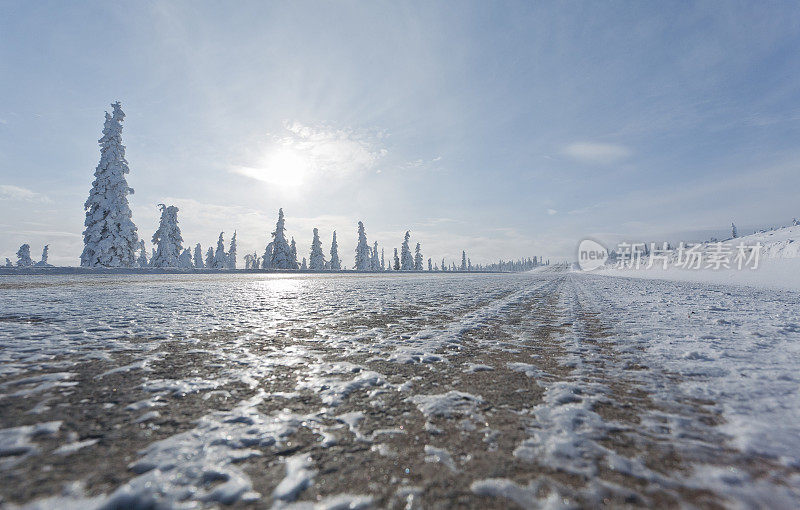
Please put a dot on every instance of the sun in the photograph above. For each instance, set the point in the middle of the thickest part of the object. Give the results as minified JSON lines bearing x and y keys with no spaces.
{"x":281,"y":167}
{"x":287,"y":167}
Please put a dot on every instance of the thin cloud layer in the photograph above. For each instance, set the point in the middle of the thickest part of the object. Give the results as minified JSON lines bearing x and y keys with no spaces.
{"x":597,"y":153}
{"x":9,"y":192}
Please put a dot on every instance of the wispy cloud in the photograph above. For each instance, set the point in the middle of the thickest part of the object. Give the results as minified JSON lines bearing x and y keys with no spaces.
{"x":10,"y":192}
{"x":425,"y":164}
{"x":552,"y":212}
{"x":597,"y":153}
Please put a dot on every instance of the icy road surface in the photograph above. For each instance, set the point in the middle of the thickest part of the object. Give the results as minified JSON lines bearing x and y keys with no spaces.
{"x":546,"y":389}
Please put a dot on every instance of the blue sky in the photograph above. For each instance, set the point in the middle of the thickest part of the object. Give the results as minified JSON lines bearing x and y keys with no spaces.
{"x":506,"y":129}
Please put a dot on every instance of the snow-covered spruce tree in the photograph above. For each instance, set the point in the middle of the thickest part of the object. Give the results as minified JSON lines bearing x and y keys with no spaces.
{"x":418,"y":258}
{"x":444,"y":267}
{"x":43,"y":262}
{"x":142,"y":260}
{"x":430,"y":265}
{"x":316,"y":258}
{"x":463,"y":266}
{"x":24,"y":256}
{"x":230,"y":262}
{"x":266,"y":259}
{"x":469,"y":264}
{"x":396,"y":261}
{"x":335,"y":264}
{"x":303,"y":266}
{"x":293,"y":259}
{"x":383,"y":262}
{"x":362,"y":250}
{"x":209,"y":262}
{"x":734,"y":234}
{"x":168,"y":240}
{"x":198,"y":256}
{"x":375,"y":261}
{"x":406,"y":259}
{"x":281,"y":251}
{"x":110,"y":238}
{"x":219,"y":254}
{"x":8,"y":262}
{"x":185,"y":260}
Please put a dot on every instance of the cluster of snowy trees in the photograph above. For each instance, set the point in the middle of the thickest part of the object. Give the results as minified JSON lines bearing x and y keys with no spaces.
{"x":169,"y":251}
{"x":282,"y":254}
{"x":24,"y":257}
{"x":525,"y":264}
{"x":111,"y":238}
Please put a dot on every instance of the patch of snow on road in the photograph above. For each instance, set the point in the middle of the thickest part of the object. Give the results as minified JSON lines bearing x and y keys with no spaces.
{"x":16,"y":445}
{"x":447,"y":405}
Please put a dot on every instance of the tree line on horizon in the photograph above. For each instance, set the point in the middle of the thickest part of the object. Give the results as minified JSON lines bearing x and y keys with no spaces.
{"x":111,"y":239}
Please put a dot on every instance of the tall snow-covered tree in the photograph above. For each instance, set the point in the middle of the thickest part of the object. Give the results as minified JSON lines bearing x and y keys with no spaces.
{"x":303,"y":266}
{"x":230,"y":262}
{"x":336,"y":264}
{"x":142,"y":260}
{"x":317,"y":257}
{"x":110,"y":238}
{"x":444,"y":267}
{"x":362,"y":250}
{"x":418,"y":258}
{"x":219,"y":254}
{"x":168,"y":240}
{"x":185,"y":260}
{"x":396,"y":261}
{"x":45,"y":251}
{"x":375,"y":261}
{"x":24,"y":256}
{"x":293,"y":251}
{"x":463,"y":261}
{"x":281,"y":251}
{"x":406,"y":259}
{"x":430,"y":265}
{"x":469,"y":264}
{"x":734,"y":234}
{"x":383,"y":262}
{"x":210,"y":257}
{"x":8,"y":262}
{"x":198,"y":256}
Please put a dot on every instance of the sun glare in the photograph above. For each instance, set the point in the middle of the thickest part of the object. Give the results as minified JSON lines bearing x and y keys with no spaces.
{"x":287,"y":167}
{"x":281,"y":167}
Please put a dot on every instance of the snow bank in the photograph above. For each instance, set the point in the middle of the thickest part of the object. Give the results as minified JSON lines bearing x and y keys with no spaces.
{"x":778,"y":268}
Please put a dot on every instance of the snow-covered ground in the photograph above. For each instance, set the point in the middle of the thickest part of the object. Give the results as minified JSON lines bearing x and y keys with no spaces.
{"x":778,"y":265}
{"x":550,"y":388}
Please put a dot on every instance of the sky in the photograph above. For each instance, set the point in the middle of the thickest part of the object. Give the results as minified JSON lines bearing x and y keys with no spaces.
{"x":505,"y":129}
